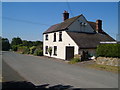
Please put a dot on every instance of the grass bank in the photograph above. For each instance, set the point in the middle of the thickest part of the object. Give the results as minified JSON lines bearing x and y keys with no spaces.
{"x":104,"y":67}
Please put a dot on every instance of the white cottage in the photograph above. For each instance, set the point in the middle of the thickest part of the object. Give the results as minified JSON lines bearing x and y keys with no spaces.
{"x":72,"y":36}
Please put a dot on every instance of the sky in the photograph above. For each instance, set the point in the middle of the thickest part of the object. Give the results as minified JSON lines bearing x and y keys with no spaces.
{"x":28,"y":20}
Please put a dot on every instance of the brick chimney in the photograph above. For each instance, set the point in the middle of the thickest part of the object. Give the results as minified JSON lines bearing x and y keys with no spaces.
{"x":65,"y":15}
{"x":99,"y":26}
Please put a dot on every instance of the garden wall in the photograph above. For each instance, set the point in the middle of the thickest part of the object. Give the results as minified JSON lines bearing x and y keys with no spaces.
{"x":108,"y":61}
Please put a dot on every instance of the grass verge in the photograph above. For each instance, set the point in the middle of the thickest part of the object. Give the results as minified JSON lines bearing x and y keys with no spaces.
{"x":105,"y":67}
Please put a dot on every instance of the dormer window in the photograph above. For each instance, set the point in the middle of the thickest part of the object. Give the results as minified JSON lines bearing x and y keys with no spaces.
{"x":60,"y":36}
{"x":46,"y":37}
{"x":81,"y":23}
{"x":54,"y":39}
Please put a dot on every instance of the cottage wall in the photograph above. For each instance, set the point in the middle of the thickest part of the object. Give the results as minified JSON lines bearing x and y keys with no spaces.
{"x":81,"y":25}
{"x":61,"y":50}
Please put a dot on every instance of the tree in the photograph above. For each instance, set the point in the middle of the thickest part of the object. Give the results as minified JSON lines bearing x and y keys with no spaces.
{"x":0,"y":43}
{"x":16,"y":41}
{"x":5,"y":44}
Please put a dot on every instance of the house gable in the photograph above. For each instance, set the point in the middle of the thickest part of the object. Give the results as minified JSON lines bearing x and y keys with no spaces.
{"x":81,"y":25}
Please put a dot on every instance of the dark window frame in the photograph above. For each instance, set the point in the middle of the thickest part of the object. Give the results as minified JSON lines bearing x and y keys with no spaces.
{"x":46,"y":49}
{"x":60,"y":36}
{"x":54,"y":37}
{"x":55,"y":50}
{"x":46,"y":37}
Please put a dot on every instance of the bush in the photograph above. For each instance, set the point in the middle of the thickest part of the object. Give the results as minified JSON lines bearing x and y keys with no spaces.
{"x":38,"y":52}
{"x":23,"y":49}
{"x":74,"y":60}
{"x":5,"y":44}
{"x":32,"y":49}
{"x":50,"y":50}
{"x":14,"y":48}
{"x":108,"y":50}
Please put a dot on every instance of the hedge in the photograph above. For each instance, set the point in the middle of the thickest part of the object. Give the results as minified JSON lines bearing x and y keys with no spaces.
{"x":14,"y":48}
{"x":23,"y":50}
{"x":108,"y":50}
{"x":32,"y":49}
{"x":38,"y":52}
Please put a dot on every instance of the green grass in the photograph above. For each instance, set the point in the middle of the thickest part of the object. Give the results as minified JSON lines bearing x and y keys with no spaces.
{"x":105,"y":67}
{"x":74,"y":60}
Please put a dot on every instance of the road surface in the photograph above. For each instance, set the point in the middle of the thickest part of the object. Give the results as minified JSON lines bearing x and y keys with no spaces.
{"x":41,"y":70}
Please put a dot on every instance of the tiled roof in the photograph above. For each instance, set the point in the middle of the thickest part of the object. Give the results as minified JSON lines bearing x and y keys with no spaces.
{"x":93,"y":25}
{"x":62,"y":26}
{"x":89,"y":40}
{"x":68,"y":22}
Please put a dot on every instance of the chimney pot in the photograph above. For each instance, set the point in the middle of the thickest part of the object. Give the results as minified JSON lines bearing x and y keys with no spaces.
{"x":99,"y":26}
{"x":65,"y":15}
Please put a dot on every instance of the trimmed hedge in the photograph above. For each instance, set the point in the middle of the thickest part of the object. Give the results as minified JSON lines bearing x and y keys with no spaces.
{"x":108,"y":50}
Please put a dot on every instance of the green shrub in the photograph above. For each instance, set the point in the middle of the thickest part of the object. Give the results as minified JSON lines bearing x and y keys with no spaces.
{"x":32,"y":49}
{"x":74,"y":60}
{"x":14,"y":48}
{"x":23,"y":49}
{"x":108,"y":50}
{"x":38,"y":52}
{"x":50,"y":50}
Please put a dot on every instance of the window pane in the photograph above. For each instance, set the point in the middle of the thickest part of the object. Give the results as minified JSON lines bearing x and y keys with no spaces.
{"x":54,"y":37}
{"x":60,"y":36}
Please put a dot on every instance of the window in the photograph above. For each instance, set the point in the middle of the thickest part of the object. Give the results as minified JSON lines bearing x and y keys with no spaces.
{"x":54,"y":37}
{"x":46,"y":49}
{"x":60,"y":36}
{"x":46,"y":37}
{"x":55,"y":50}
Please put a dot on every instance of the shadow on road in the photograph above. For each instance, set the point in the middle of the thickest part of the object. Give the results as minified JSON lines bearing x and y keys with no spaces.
{"x":28,"y":86}
{"x":23,"y":85}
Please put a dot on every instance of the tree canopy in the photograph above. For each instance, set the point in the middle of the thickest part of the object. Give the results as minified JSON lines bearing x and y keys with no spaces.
{"x":16,"y":41}
{"x":5,"y":44}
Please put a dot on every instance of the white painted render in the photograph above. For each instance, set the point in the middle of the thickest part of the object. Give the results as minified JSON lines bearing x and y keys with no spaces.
{"x":75,"y":26}
{"x":66,"y":39}
{"x":61,"y":45}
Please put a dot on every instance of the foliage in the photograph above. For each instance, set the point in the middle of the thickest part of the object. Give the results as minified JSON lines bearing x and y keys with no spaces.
{"x":26,"y":43}
{"x":74,"y":60}
{"x":50,"y":50}
{"x":14,"y":48}
{"x":23,"y":49}
{"x":108,"y":50}
{"x":31,"y":43}
{"x":32,"y":49}
{"x":37,"y":43}
{"x":16,"y":41}
{"x":0,"y":43}
{"x":27,"y":47}
{"x":38,"y":52}
{"x":5,"y":44}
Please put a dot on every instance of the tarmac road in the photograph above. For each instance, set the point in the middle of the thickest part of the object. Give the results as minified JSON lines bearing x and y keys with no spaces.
{"x":41,"y":70}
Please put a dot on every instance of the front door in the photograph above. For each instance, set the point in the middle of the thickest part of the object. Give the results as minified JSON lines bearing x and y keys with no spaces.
{"x":69,"y":52}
